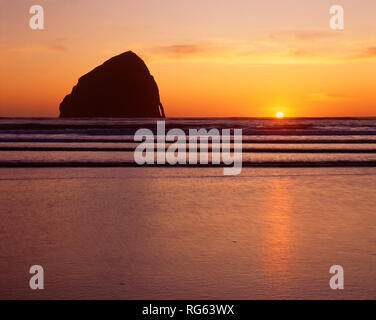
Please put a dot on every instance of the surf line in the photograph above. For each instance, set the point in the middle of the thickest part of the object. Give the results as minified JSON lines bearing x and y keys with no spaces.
{"x":176,"y":152}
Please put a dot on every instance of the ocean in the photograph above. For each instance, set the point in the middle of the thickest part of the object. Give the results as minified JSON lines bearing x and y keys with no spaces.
{"x":266,"y":142}
{"x":73,"y":201}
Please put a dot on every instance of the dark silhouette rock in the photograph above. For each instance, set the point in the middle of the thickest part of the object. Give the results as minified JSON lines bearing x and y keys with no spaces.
{"x":120,"y":87}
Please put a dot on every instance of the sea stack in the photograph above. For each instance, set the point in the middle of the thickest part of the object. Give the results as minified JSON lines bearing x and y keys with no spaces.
{"x":120,"y":87}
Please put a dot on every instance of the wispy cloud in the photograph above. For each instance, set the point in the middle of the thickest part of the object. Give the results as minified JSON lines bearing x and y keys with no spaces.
{"x":294,"y":46}
{"x":322,"y":96}
{"x":189,"y":50}
{"x":302,"y":35}
{"x":58,"y":45}
{"x":370,"y":52}
{"x":361,"y":52}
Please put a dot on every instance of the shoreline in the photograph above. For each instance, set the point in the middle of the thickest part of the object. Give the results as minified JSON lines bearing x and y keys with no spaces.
{"x":272,"y":164}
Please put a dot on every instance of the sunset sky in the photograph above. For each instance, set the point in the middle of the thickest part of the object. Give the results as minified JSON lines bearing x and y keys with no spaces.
{"x":209,"y":57}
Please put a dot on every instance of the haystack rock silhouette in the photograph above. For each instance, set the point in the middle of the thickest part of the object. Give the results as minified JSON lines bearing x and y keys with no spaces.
{"x":120,"y":87}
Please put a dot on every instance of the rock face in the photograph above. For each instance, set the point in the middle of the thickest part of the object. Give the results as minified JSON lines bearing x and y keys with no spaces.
{"x":120,"y":87}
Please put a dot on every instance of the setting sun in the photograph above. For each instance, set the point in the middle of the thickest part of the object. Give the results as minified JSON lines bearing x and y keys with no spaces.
{"x":280,"y":115}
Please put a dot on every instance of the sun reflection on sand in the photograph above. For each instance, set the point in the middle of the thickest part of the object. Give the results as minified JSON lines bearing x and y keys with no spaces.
{"x":278,"y":238}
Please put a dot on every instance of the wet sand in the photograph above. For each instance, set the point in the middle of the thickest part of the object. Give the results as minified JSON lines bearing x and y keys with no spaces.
{"x":187,"y":233}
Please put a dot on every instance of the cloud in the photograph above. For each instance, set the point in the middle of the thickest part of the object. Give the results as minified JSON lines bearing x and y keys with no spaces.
{"x":301,"y":35}
{"x":188,"y":50}
{"x":58,"y":44}
{"x":322,"y":96}
{"x":362,"y":53}
{"x":370,"y":52}
{"x":290,"y":46}
{"x":285,"y":47}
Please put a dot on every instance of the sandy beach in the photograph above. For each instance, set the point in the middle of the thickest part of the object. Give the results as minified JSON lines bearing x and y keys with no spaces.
{"x":187,"y":233}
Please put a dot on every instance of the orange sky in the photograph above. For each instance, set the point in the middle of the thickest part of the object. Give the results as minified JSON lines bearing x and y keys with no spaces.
{"x":209,"y":57}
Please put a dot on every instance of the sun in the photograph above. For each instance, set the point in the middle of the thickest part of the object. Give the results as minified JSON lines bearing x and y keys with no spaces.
{"x":280,"y":115}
